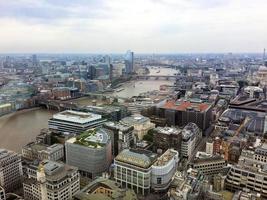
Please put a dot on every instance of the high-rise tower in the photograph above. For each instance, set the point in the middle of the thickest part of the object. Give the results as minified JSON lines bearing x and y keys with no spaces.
{"x":129,"y":62}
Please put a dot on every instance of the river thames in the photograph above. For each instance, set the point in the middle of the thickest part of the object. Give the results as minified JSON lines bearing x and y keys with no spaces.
{"x":18,"y":129}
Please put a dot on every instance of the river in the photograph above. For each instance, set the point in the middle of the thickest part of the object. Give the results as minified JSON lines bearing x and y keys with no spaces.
{"x":134,"y":88}
{"x":20,"y":128}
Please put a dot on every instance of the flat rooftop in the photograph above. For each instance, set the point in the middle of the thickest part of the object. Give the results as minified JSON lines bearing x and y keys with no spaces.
{"x":76,"y":116}
{"x":138,"y":119}
{"x":137,"y":157}
{"x":167,"y":130}
{"x":166,"y":157}
{"x":183,"y":105}
{"x":117,"y":125}
{"x":93,"y":138}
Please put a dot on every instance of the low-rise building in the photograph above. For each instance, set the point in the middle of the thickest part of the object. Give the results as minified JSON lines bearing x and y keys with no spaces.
{"x":61,"y":93}
{"x":104,"y":188}
{"x":141,"y":125}
{"x":51,"y":180}
{"x":74,"y":121}
{"x":39,"y":151}
{"x":186,"y":186}
{"x":94,"y":147}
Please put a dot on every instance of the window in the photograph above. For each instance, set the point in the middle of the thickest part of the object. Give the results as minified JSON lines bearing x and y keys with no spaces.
{"x":159,"y":180}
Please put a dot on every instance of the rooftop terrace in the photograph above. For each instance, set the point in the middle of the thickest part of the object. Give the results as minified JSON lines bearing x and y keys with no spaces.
{"x":93,"y":138}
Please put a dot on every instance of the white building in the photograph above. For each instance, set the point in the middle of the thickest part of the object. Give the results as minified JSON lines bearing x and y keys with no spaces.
{"x":209,"y":147}
{"x":10,"y":170}
{"x":191,"y":135}
{"x":74,"y":121}
{"x":141,"y":125}
{"x":39,"y":151}
{"x":262,"y":75}
{"x":51,"y":180}
{"x":143,"y":171}
{"x":164,"y":169}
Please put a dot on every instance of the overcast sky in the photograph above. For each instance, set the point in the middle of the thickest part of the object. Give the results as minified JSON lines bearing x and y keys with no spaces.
{"x":144,"y":26}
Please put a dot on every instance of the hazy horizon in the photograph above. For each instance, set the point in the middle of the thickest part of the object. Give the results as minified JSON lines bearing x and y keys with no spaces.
{"x":144,"y":26}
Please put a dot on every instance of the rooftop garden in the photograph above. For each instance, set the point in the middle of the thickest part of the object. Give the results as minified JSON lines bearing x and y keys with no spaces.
{"x":84,"y":139}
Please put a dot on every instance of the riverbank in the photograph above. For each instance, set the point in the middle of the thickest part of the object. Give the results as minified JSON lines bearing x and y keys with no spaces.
{"x":21,"y":127}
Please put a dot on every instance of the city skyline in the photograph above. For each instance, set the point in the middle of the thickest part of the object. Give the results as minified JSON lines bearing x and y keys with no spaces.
{"x":161,"y":26}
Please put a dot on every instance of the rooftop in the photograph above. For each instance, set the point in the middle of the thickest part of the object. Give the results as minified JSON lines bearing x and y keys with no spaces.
{"x":55,"y":170}
{"x":138,"y":157}
{"x":189,"y":130}
{"x":166,"y":157}
{"x":117,"y":125}
{"x":76,"y":116}
{"x":167,"y":130}
{"x":94,"y":138}
{"x":87,"y":193}
{"x":183,"y":105}
{"x":137,"y":119}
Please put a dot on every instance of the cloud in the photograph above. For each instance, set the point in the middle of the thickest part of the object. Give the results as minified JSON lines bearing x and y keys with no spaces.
{"x":140,"y":25}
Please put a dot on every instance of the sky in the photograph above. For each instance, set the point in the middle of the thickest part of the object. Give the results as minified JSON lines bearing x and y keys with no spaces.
{"x":144,"y":26}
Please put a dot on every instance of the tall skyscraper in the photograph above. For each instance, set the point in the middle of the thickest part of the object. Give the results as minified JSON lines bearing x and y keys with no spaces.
{"x":91,"y":72}
{"x":110,"y":66}
{"x":34,"y":60}
{"x":129,"y":62}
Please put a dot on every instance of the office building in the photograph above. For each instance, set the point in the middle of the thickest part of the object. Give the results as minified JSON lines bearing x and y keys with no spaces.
{"x":167,"y":137}
{"x":6,"y":108}
{"x":163,"y":170}
{"x":262,"y":75}
{"x":10,"y":170}
{"x":39,"y":151}
{"x":70,"y":121}
{"x":191,"y":136}
{"x":94,"y":147}
{"x":140,"y":123}
{"x":209,"y":146}
{"x":34,"y":60}
{"x":143,"y":171}
{"x":61,"y":93}
{"x":91,"y":72}
{"x":129,"y":62}
{"x":110,"y":112}
{"x":51,"y":180}
{"x":104,"y":188}
{"x":133,"y":169}
{"x":209,"y":166}
{"x":181,"y":112}
{"x":249,"y":173}
{"x":121,"y":135}
{"x":186,"y":186}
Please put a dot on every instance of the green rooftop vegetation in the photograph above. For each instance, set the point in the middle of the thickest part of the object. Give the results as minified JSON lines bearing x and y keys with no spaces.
{"x":82,"y":139}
